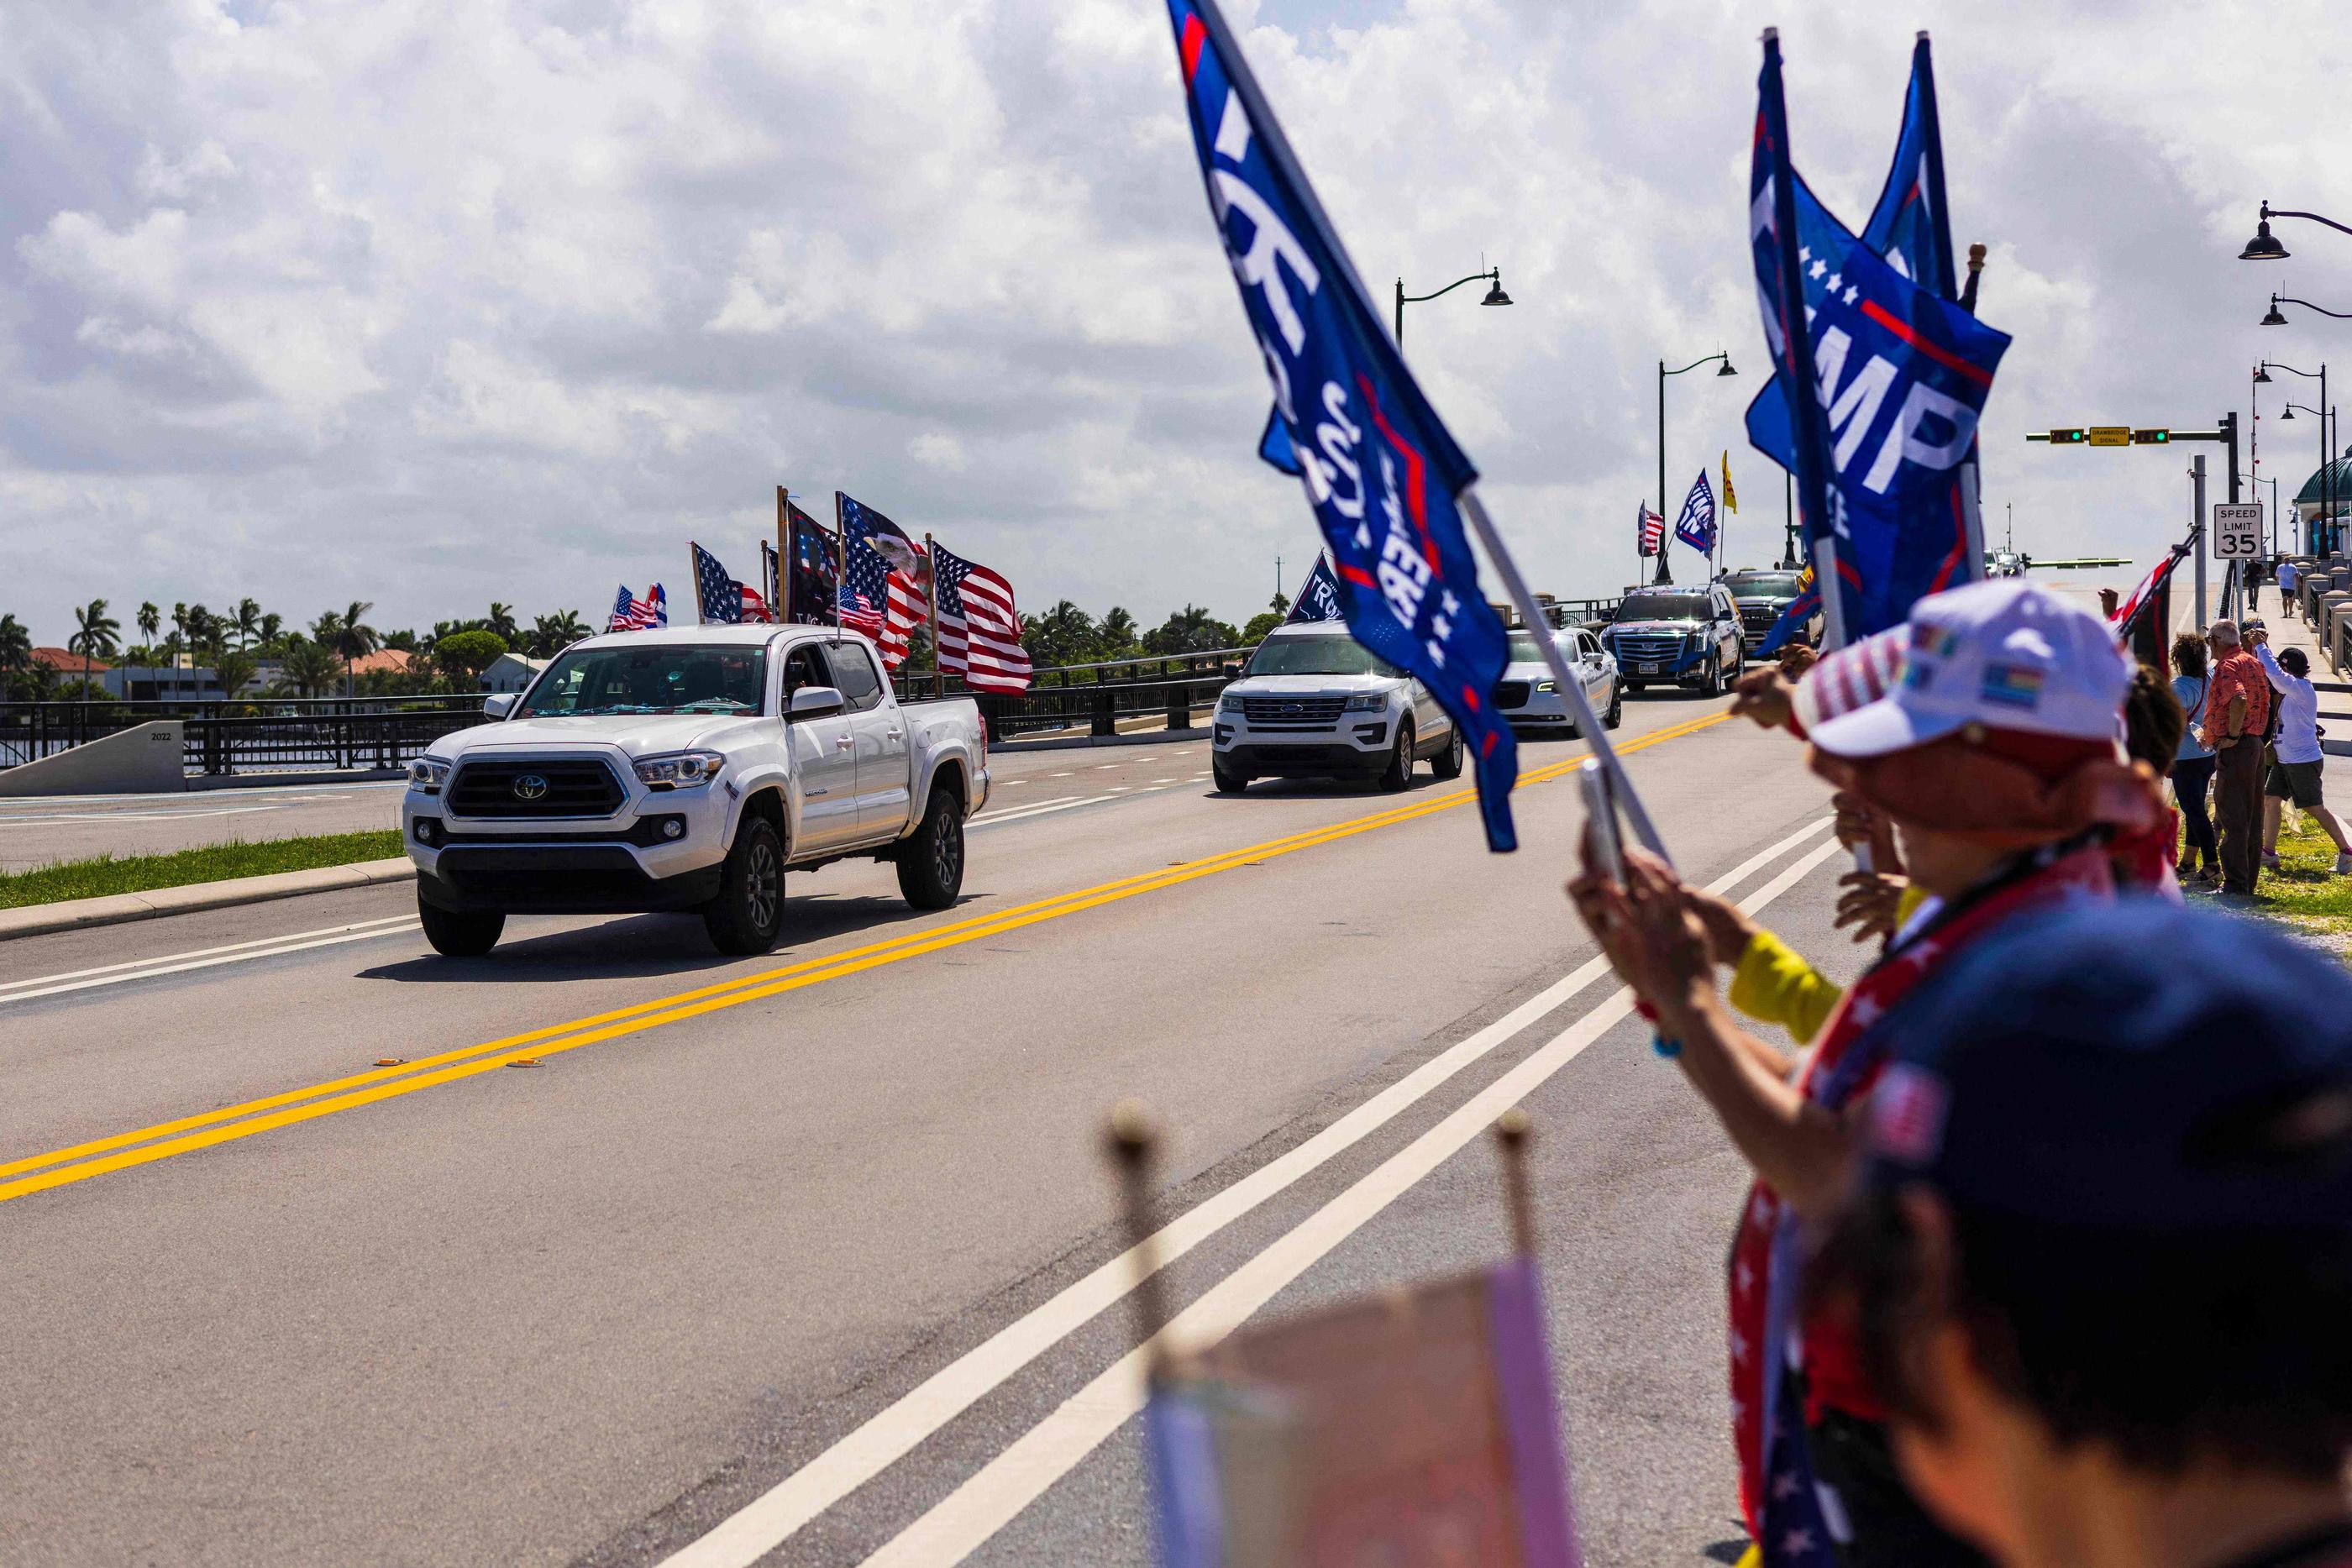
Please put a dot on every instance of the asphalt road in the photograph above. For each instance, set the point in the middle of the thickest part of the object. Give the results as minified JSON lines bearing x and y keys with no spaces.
{"x":823,"y":1235}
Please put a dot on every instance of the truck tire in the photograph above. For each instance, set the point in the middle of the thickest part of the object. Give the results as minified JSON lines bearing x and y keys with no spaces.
{"x":1396,"y":776}
{"x":1447,"y":764}
{"x":930,"y":859}
{"x":1228,"y":782}
{"x":748,"y":916}
{"x":460,"y":934}
{"x":1616,"y":713}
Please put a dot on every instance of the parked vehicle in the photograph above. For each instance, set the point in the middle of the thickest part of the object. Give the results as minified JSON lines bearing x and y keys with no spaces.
{"x":1528,"y":694}
{"x":688,"y":770}
{"x":1669,"y":635}
{"x":1762,"y":596}
{"x":1315,"y":703}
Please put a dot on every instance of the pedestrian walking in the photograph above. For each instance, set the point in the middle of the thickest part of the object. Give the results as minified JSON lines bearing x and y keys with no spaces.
{"x":2295,"y":774}
{"x":2099,"y":1257}
{"x":1994,"y":757}
{"x":2237,"y":715}
{"x":2253,"y":577}
{"x":2193,"y":767}
{"x":2288,"y":578}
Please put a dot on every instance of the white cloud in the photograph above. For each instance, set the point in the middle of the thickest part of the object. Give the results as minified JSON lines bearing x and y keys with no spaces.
{"x":303,"y":295}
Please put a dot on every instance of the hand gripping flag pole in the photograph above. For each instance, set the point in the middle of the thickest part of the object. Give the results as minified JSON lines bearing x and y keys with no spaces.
{"x":1391,"y":489}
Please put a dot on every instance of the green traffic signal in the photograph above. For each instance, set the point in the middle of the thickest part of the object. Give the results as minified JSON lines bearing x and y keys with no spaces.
{"x":2151,"y":437}
{"x":2066,"y":437}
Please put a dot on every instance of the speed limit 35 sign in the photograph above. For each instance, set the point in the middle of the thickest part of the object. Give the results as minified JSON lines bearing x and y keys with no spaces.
{"x":2238,"y":532}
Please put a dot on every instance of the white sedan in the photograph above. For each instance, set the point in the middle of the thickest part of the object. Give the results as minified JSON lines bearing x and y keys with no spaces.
{"x":1529,"y":695}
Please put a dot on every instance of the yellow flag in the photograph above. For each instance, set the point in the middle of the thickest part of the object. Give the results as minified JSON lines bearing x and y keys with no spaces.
{"x":1730,"y":501}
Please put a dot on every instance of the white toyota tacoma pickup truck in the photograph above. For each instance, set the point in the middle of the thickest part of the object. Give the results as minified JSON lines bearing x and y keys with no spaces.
{"x":687,"y":769}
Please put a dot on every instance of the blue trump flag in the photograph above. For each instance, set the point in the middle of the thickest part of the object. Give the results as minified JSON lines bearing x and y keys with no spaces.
{"x":1899,"y":377}
{"x":1379,"y":468}
{"x":1695,"y":527}
{"x":1319,"y":596}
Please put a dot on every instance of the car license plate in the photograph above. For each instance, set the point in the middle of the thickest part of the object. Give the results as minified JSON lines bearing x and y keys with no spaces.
{"x":1646,"y":669}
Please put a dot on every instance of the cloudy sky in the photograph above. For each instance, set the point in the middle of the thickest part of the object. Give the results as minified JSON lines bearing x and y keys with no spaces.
{"x":430,"y":302}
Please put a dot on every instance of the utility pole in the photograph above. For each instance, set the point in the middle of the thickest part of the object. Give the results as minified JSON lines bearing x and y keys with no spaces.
{"x":2197,"y":529}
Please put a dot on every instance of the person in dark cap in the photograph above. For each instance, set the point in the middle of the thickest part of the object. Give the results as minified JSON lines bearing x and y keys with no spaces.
{"x":2108,"y":1316}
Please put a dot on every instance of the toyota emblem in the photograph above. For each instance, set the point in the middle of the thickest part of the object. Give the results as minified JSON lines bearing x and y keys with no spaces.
{"x":529,"y":786}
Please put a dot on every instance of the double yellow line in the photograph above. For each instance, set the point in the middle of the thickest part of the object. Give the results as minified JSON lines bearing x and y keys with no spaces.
{"x":60,"y":1167}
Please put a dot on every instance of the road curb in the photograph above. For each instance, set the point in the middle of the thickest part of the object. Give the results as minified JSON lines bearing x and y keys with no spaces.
{"x":114,"y":909}
{"x":1148,"y":738}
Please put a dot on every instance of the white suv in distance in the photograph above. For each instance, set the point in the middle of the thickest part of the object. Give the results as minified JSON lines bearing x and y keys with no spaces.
{"x":1528,"y":694}
{"x":1315,"y":703}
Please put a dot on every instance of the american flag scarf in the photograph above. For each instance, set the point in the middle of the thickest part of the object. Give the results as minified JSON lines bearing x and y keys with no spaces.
{"x":1788,"y":1511}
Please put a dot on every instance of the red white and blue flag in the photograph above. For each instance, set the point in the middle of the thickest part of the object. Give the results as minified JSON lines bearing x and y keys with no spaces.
{"x":1650,"y":528}
{"x":720,"y":600}
{"x":980,"y":631}
{"x":1382,"y":473}
{"x":1695,"y":527}
{"x":882,"y":578}
{"x":634,"y":614}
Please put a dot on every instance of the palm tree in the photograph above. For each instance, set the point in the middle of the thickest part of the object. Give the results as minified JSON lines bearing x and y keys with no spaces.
{"x":310,"y":665}
{"x":151,"y":620}
{"x":1118,"y":631}
{"x":248,"y":623}
{"x":501,"y":621}
{"x":233,"y":668}
{"x":16,"y":651}
{"x":271,"y":625}
{"x":96,"y":633}
{"x":353,"y":639}
{"x":550,"y":634}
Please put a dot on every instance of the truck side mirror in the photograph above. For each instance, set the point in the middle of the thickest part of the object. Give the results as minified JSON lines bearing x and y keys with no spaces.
{"x":498,"y":705}
{"x":815,"y":702}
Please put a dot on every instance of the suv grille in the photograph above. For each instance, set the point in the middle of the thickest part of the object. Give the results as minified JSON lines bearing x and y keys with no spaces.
{"x":1300,"y":713}
{"x":580,"y":786}
{"x":1511,"y":693}
{"x":1653,"y":648}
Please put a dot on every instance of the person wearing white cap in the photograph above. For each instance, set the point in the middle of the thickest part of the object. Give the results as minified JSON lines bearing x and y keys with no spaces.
{"x":1994,"y":753}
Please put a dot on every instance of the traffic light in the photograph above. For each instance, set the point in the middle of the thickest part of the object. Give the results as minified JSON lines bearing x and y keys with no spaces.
{"x":2152,"y":438}
{"x":2066,"y":437}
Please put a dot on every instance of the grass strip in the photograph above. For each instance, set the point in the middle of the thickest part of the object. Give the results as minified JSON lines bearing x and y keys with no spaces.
{"x":2304,"y":892}
{"x":109,"y":874}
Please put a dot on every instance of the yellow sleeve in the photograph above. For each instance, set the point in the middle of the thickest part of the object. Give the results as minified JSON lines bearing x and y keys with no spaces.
{"x":1772,"y":984}
{"x":1908,"y":905}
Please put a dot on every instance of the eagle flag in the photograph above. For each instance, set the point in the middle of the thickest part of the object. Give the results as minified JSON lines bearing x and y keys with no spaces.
{"x":1380,"y":471}
{"x":1899,"y":377}
{"x":1319,"y":596}
{"x":882,"y":586}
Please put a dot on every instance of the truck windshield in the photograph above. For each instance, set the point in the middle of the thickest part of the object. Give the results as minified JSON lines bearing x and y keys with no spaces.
{"x":1763,"y":584}
{"x":1317,"y":657}
{"x":1661,"y":607}
{"x":671,"y":678}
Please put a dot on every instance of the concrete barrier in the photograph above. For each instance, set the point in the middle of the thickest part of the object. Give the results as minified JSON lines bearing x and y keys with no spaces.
{"x":145,"y":759}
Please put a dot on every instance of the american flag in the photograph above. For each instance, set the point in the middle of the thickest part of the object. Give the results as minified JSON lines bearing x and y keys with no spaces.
{"x":632,"y":615}
{"x":1651,"y":529}
{"x":980,"y":632}
{"x":883,"y":568}
{"x":722,"y":599}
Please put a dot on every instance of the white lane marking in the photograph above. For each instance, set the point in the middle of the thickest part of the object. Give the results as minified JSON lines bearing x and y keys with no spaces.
{"x":181,"y":963}
{"x":275,"y":792}
{"x":1122,"y":788}
{"x":892,"y":1433}
{"x":1009,"y":783}
{"x":1058,"y":774}
{"x":1099,"y":767}
{"x":965,"y":1518}
{"x":1033,"y":809}
{"x":1165,"y":781}
{"x":7,"y":819}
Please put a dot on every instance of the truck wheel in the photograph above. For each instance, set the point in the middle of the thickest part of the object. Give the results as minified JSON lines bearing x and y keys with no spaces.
{"x":749,"y":913}
{"x":931,"y":862}
{"x":460,"y":934}
{"x":1397,"y":775}
{"x":1447,"y":764}
{"x":1228,"y":782}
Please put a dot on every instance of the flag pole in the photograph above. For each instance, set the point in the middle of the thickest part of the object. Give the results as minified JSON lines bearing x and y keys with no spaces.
{"x":1588,"y":723}
{"x":694,"y":576}
{"x":840,"y":562}
{"x":939,"y":676}
{"x":783,"y":605}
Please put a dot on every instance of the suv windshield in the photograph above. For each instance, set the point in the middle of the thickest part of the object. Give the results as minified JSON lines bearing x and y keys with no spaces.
{"x":1316,"y":656}
{"x":1763,"y":584}
{"x":1661,"y":607}
{"x":662,"y":678}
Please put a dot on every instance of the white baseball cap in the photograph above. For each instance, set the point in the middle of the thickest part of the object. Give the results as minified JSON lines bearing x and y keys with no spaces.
{"x":2005,"y":655}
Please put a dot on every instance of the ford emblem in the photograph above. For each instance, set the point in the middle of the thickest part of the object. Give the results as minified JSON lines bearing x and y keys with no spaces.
{"x":529,"y":787}
{"x":1292,"y":710}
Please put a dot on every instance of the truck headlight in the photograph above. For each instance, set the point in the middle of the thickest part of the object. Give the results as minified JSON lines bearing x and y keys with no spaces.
{"x":1369,"y":702}
{"x":428,"y":774}
{"x":679,"y":770}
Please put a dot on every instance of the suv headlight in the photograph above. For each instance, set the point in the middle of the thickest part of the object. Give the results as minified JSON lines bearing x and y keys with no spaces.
{"x":1369,"y":702}
{"x":679,"y":770}
{"x":428,"y":774}
{"x":1231,"y":702}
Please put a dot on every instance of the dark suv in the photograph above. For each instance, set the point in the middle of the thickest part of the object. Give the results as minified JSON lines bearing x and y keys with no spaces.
{"x":1671,"y":635}
{"x":1763,"y":596}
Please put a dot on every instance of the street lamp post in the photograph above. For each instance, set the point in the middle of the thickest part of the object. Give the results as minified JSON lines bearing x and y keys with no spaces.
{"x":2263,"y":247}
{"x":1494,"y":296}
{"x":1666,"y":539}
{"x":2319,"y":540}
{"x":2319,"y":375}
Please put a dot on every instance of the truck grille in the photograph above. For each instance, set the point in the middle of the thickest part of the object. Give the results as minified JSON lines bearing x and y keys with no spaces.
{"x":1759,"y":617}
{"x":579,"y":787}
{"x":1512,"y":694}
{"x":1296,"y":714}
{"x":1653,"y":649}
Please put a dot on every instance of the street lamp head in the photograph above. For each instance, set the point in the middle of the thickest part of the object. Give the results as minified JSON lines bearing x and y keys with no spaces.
{"x":2262,"y":377}
{"x":1496,"y":296}
{"x":2273,"y":318}
{"x":1727,"y":370}
{"x":2288,"y":414}
{"x":2263,"y":247}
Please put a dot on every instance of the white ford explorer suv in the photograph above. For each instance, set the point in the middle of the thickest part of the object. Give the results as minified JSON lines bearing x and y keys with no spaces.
{"x":685,"y":769}
{"x":1315,"y":703}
